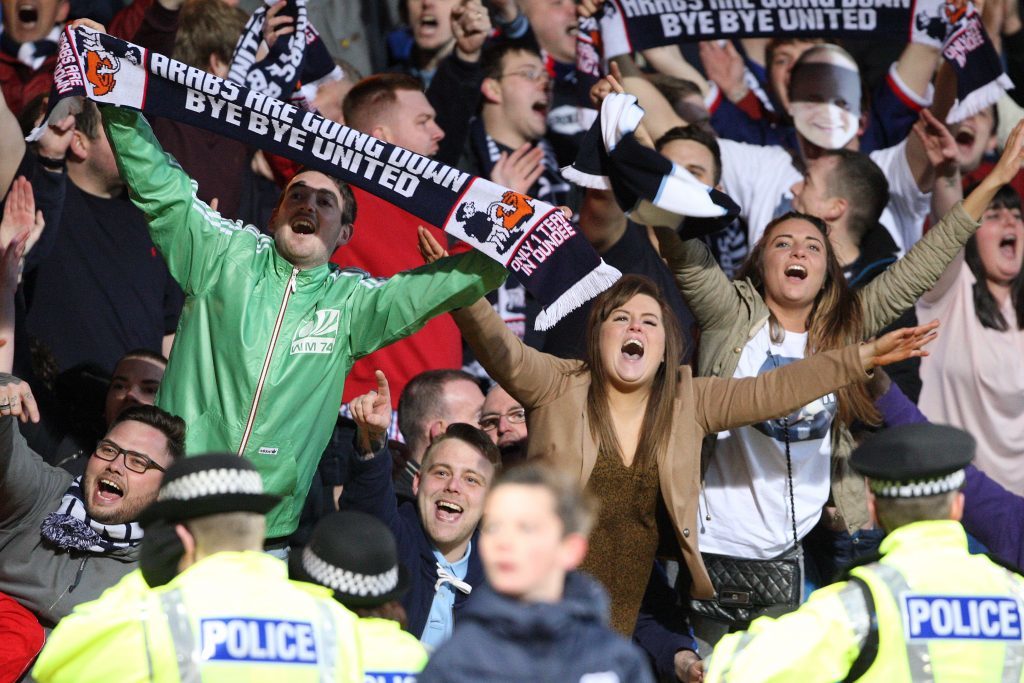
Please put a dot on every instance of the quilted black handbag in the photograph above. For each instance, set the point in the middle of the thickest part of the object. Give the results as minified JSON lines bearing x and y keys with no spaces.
{"x":746,"y":589}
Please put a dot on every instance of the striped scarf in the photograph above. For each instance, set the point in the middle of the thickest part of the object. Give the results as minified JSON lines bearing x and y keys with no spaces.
{"x":71,"y":528}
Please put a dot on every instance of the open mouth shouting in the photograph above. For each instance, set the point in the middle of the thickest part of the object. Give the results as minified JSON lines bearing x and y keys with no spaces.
{"x":108,"y":491}
{"x":1008,"y":245}
{"x":303,"y":225}
{"x":965,"y":137}
{"x":541,"y":106}
{"x":447,"y":511}
{"x":633,"y":349}
{"x":28,"y":15}
{"x":796,"y":272}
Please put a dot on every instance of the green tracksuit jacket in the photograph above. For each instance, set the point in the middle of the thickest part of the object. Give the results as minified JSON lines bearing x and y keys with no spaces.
{"x":262,"y":349}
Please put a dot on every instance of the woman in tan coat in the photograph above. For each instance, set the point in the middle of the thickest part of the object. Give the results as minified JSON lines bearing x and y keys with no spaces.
{"x":628,"y":420}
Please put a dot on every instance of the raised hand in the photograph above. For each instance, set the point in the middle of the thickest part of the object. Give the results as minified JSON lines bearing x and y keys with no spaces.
{"x":276,"y":24}
{"x":10,"y":264}
{"x":724,"y":65}
{"x":16,"y":399}
{"x":372,"y":415}
{"x":471,"y":24}
{"x":55,"y":140}
{"x":20,"y":216}
{"x":1009,"y":164}
{"x":520,"y":169}
{"x":939,"y":144}
{"x":430,"y":249}
{"x":898,"y":345}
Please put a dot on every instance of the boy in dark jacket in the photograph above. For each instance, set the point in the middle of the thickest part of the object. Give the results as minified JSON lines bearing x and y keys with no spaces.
{"x":537,"y":620}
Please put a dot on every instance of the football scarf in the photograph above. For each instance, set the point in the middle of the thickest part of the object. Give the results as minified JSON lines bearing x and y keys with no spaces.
{"x":294,"y":67}
{"x":954,"y":27}
{"x":647,"y":186}
{"x":532,"y":239}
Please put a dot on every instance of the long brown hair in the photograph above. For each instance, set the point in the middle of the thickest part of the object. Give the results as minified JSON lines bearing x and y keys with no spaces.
{"x":836,"y":318}
{"x":657,"y":426}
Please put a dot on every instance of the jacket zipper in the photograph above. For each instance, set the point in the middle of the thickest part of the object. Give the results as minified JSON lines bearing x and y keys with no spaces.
{"x":251,"y":422}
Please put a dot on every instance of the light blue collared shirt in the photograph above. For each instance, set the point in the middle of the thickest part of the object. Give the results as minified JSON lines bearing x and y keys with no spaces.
{"x":441,"y":619}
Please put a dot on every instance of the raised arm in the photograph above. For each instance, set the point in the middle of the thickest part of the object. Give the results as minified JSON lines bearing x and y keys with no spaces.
{"x":533,"y":378}
{"x":728,"y":403}
{"x":191,"y":236}
{"x":12,"y":145}
{"x":707,"y":291}
{"x":384,"y":311}
{"x":903,"y":283}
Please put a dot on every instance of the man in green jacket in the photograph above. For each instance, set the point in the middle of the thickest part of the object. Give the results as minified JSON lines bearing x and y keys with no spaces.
{"x":270,"y":329}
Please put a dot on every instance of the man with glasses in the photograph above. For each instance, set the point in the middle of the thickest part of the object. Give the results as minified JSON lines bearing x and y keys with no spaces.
{"x":66,"y":539}
{"x":504,"y":420}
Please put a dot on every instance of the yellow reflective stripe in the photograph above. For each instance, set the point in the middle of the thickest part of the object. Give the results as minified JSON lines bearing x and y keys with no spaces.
{"x":326,"y":663}
{"x":181,"y":636}
{"x":918,"y":655}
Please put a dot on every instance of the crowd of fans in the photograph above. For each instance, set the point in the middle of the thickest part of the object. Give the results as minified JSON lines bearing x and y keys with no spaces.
{"x":141,"y":322}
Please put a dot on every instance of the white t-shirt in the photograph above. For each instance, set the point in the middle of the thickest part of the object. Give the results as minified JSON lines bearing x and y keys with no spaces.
{"x":746,"y":492}
{"x":760,"y":179}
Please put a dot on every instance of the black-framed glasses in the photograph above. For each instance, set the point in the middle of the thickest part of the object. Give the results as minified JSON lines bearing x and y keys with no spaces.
{"x":136,"y":462}
{"x":490,"y":422}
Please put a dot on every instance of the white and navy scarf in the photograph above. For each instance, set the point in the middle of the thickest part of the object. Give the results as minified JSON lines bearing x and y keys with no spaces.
{"x":32,"y":54}
{"x":965,"y":45}
{"x":627,"y":26}
{"x":529,"y":237}
{"x":71,"y":528}
{"x":296,"y":65}
{"x":648,"y":187}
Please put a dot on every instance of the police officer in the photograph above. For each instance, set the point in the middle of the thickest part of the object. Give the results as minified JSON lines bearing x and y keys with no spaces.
{"x":924,"y":610}
{"x":230,"y":614}
{"x":354,"y":554}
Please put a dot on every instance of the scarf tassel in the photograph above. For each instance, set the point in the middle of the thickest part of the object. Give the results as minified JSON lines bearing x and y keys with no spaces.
{"x":585,"y":289}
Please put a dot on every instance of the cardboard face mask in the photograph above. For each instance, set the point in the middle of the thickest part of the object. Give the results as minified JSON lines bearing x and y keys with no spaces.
{"x":825,"y":103}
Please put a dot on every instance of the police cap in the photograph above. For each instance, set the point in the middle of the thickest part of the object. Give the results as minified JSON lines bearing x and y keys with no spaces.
{"x":210,"y":484}
{"x":916,"y":460}
{"x":355,"y":555}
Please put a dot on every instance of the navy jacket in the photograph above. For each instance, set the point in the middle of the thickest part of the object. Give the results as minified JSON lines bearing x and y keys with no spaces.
{"x":370,"y":490}
{"x":502,"y":639}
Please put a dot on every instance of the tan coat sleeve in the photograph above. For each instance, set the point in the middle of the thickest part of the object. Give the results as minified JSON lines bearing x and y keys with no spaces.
{"x":728,"y":403}
{"x":705,"y":288}
{"x":886,"y":297}
{"x":531,"y":377}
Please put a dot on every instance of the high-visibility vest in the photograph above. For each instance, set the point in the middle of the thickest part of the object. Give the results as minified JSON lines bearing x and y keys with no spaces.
{"x":927,"y":611}
{"x":230,"y":617}
{"x":961,"y":619}
{"x":389,"y":654}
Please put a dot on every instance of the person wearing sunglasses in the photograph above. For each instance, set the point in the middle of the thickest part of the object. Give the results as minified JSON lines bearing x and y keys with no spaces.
{"x":66,"y":539}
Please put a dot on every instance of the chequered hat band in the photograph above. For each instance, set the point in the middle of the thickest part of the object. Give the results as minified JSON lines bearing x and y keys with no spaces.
{"x":210,"y":483}
{"x":917,"y":489}
{"x":344,"y":581}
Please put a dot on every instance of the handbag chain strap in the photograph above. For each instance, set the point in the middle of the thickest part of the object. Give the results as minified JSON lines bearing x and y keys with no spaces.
{"x":789,"y":457}
{"x":789,"y":481}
